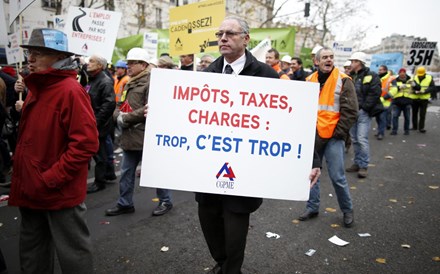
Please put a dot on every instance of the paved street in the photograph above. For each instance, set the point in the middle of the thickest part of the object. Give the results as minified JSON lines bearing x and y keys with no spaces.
{"x":398,"y":204}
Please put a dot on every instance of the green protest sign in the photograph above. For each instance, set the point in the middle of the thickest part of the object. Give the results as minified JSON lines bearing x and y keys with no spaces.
{"x":306,"y":58}
{"x":282,"y":39}
{"x":123,"y":45}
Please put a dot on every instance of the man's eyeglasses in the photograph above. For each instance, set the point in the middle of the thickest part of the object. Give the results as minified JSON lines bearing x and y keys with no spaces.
{"x":228,"y":33}
{"x":35,"y":53}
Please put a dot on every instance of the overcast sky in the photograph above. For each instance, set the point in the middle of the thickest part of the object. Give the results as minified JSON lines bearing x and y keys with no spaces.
{"x":419,"y":18}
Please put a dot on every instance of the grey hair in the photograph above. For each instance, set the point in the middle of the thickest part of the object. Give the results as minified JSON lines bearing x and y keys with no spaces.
{"x":243,"y":24}
{"x":101,"y":60}
{"x":208,"y":56}
{"x":318,"y":54}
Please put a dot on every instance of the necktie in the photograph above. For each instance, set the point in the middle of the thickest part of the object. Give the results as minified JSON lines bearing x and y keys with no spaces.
{"x":228,"y":69}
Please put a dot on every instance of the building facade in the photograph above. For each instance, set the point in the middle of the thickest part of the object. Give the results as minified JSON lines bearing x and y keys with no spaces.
{"x":138,"y":16}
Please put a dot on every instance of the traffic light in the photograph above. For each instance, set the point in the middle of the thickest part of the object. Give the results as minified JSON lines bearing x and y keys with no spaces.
{"x":307,"y":10}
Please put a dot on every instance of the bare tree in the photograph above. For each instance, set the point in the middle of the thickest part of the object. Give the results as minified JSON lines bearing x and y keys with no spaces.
{"x":326,"y":16}
{"x":334,"y":14}
{"x":270,"y":19}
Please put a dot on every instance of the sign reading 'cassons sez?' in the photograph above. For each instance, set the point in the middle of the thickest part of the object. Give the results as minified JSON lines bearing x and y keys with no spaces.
{"x":227,"y":134}
{"x":193,"y":27}
{"x":421,"y":53}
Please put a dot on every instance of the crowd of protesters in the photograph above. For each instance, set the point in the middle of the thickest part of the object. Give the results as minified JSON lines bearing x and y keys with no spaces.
{"x":101,"y":112}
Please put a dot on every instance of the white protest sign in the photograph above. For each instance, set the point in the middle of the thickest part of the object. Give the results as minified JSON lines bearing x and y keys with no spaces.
{"x":27,"y":31}
{"x":13,"y":49}
{"x":260,"y":50}
{"x":91,"y":31}
{"x":16,"y":7}
{"x":226,"y":134}
{"x":421,"y":53}
{"x":342,"y":50}
{"x":150,"y":43}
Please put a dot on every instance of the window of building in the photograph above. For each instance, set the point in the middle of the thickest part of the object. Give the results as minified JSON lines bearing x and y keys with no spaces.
{"x":158,"y":18}
{"x":141,"y":14}
{"x":51,"y":4}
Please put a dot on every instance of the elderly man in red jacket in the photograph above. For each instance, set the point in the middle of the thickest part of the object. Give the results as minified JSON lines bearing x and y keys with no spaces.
{"x":57,"y":137}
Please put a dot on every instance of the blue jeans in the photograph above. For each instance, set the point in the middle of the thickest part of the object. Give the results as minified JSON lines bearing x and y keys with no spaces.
{"x":382,"y":121}
{"x":359,"y":138}
{"x":334,"y":157}
{"x":109,"y":149}
{"x":130,"y":160}
{"x":397,"y":109}
{"x":164,"y":195}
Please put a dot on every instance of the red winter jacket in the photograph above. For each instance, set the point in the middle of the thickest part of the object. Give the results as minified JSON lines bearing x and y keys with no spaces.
{"x":57,"y":137}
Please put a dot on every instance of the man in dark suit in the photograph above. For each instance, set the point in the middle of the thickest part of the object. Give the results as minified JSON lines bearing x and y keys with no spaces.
{"x":225,"y":219}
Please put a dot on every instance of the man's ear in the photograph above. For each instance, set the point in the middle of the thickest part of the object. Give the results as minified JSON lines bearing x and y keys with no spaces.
{"x":247,"y":38}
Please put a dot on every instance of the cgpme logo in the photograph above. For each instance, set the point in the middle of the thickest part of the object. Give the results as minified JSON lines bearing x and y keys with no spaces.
{"x":227,"y":172}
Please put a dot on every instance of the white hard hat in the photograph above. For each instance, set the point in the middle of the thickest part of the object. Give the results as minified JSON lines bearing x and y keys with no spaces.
{"x":360,"y":56}
{"x":153,"y":61}
{"x":138,"y":54}
{"x":316,"y":49}
{"x":347,"y":63}
{"x":286,"y":58}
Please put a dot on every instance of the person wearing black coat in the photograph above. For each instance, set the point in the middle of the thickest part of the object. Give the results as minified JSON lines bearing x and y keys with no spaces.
{"x":368,"y":90}
{"x":225,"y":219}
{"x":102,"y":95}
{"x":298,"y":71}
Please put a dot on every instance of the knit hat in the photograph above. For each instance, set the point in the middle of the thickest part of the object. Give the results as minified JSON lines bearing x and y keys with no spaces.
{"x":402,"y":70}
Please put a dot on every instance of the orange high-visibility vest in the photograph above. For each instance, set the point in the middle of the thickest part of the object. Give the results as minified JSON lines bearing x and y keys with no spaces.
{"x":329,"y":105}
{"x":120,"y":86}
{"x":386,"y":82}
{"x":278,"y":69}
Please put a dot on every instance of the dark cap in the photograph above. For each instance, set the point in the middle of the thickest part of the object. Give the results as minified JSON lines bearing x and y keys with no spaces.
{"x":49,"y":39}
{"x":402,"y":70}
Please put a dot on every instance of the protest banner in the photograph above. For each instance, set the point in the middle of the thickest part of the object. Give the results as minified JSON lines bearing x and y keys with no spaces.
{"x":305,"y":55}
{"x":92,"y":31}
{"x":342,"y":51}
{"x":193,"y":27}
{"x":163,"y":41}
{"x":282,"y":39}
{"x":393,"y":61}
{"x":227,"y":134}
{"x":421,"y":53}
{"x":12,"y":49}
{"x":261,"y":50}
{"x":123,"y":45}
{"x":150,"y":43}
